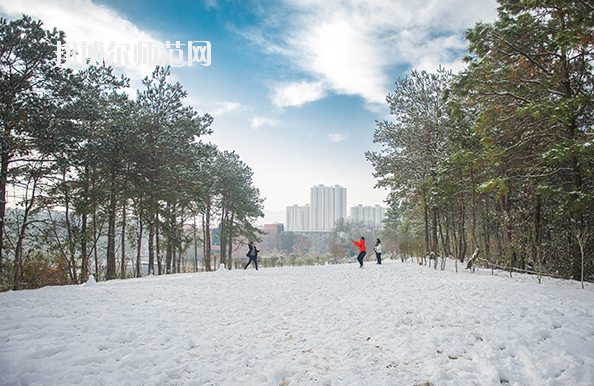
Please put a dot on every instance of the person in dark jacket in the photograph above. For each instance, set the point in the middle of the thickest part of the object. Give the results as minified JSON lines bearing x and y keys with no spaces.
{"x":252,"y":255}
{"x":362,"y":252}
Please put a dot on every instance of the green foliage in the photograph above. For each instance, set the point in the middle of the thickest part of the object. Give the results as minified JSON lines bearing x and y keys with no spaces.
{"x":511,"y":164}
{"x":32,"y":92}
{"x":88,"y":151}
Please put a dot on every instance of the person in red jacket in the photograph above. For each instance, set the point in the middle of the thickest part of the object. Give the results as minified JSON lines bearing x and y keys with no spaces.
{"x":362,"y":252}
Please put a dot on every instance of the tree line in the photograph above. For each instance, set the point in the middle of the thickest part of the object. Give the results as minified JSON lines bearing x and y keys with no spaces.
{"x":82,"y":161}
{"x":494,"y":164}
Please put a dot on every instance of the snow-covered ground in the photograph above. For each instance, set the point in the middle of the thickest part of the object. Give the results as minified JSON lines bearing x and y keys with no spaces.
{"x":394,"y":324}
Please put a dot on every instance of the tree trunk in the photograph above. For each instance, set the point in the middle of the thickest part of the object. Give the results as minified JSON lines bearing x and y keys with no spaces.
{"x":207,"y":248}
{"x":139,"y":246}
{"x":169,"y":251}
{"x":473,"y":210}
{"x":158,"y":245}
{"x":174,"y":256}
{"x":223,"y":236}
{"x":195,"y":230}
{"x":577,"y":217}
{"x":5,"y":159}
{"x":505,"y":207}
{"x":153,"y":210}
{"x":151,"y":246}
{"x":95,"y":238}
{"x":441,"y":236}
{"x":462,"y":250}
{"x":434,"y":240}
{"x":487,"y":240}
{"x":83,"y":250}
{"x":230,"y":243}
{"x":455,"y":234}
{"x":18,"y":253}
{"x":73,"y":267}
{"x":576,"y":172}
{"x":83,"y":247}
{"x":426,"y":220}
{"x":179,"y":248}
{"x":111,"y":218}
{"x":124,"y":241}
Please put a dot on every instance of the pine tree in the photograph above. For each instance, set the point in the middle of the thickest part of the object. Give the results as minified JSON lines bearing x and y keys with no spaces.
{"x":33,"y":90}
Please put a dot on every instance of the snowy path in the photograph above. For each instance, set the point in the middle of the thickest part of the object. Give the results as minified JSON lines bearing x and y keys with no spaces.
{"x":395,"y":324}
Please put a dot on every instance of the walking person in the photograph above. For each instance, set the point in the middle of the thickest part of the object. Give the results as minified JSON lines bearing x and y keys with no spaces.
{"x":362,"y":252}
{"x":252,"y":255}
{"x":379,"y":249}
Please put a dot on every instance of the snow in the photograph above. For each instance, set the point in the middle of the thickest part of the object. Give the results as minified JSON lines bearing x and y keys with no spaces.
{"x":390,"y":324}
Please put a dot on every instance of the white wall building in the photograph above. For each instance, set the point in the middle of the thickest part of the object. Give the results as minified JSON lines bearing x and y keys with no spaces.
{"x":298,"y":218}
{"x":371,"y":215}
{"x":328,"y":204}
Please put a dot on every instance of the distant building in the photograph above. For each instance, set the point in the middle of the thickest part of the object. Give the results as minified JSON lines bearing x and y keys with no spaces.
{"x":371,"y":215}
{"x":328,"y":204}
{"x":298,"y":218}
{"x":270,"y":238}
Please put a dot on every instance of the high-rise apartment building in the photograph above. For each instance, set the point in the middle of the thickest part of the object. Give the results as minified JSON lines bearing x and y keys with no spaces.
{"x":371,"y":215}
{"x":298,"y":218}
{"x":328,"y":204}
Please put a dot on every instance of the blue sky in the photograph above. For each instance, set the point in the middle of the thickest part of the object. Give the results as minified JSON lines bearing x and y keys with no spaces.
{"x":294,"y":86}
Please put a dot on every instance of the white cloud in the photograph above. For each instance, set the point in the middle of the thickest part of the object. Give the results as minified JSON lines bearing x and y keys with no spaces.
{"x":296,"y":94}
{"x":258,"y":122}
{"x":221,"y":108}
{"x":84,"y":21}
{"x":211,"y":3}
{"x":352,"y":47}
{"x":214,"y":108}
{"x":338,"y":137}
{"x":341,"y":55}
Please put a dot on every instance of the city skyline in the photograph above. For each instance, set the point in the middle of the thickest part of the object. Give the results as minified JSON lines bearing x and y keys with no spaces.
{"x":327,"y":205}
